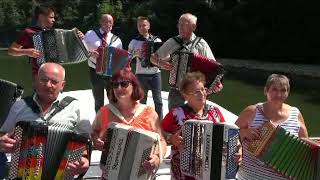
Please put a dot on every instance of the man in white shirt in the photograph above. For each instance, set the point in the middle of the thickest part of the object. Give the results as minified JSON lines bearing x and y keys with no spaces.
{"x":94,"y":39}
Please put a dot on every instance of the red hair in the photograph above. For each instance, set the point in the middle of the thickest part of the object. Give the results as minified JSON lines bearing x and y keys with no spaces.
{"x":125,"y":74}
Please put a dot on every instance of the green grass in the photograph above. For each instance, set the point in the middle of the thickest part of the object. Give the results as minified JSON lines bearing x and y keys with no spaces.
{"x":235,"y":96}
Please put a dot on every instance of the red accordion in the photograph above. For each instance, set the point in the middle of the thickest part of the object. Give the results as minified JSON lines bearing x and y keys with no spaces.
{"x":184,"y":62}
{"x":111,"y":60}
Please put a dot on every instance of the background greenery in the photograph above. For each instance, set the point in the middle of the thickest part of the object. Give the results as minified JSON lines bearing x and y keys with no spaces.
{"x":235,"y":96}
{"x":286,"y":30}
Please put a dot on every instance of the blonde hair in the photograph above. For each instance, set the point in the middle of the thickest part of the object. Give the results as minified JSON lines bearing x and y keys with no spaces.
{"x":190,"y":17}
{"x":278,"y":80}
{"x":189,"y":78}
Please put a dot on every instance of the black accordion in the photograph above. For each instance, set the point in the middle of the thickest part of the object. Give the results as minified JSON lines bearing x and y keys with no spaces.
{"x":184,"y":62}
{"x":60,"y":46}
{"x":148,"y":48}
{"x":9,"y":93}
{"x":43,"y":152}
{"x":126,"y":148}
{"x":209,"y":150}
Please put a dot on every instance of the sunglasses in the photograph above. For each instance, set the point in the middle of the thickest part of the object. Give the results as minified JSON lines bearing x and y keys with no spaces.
{"x":123,"y":84}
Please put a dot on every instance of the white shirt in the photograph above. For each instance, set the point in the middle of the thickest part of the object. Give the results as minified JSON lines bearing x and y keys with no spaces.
{"x":93,"y":41}
{"x":70,"y":115}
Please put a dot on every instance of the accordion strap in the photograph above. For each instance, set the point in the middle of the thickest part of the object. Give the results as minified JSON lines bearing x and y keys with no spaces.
{"x":116,"y":112}
{"x":185,"y":45}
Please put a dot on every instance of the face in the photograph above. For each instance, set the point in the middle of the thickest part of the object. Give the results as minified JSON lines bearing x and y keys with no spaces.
{"x":143,"y":27}
{"x":47,"y":21}
{"x":196,"y":94}
{"x":185,"y":28}
{"x":106,"y":23}
{"x":277,"y":93}
{"x":49,"y":83}
{"x":122,"y":89}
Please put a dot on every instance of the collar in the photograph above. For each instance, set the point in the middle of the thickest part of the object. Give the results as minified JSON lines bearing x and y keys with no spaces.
{"x":36,"y":100}
{"x":142,"y":38}
{"x":102,"y":32}
{"x":193,"y":37}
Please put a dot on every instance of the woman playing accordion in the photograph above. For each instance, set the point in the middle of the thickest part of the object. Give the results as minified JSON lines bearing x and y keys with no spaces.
{"x":194,"y":92}
{"x":126,"y":109}
{"x":274,"y":110}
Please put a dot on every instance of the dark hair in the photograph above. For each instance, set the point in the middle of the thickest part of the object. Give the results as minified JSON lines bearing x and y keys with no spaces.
{"x":44,"y":9}
{"x":142,"y":18}
{"x":189,"y":78}
{"x":125,"y":74}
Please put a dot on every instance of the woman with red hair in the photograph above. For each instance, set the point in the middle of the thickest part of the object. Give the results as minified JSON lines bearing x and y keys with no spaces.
{"x":125,"y":108}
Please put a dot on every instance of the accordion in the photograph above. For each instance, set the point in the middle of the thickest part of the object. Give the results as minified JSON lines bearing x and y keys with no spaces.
{"x":126,"y":148}
{"x":184,"y":62}
{"x":111,"y":60}
{"x":42,"y":151}
{"x":287,"y":154}
{"x":9,"y":93}
{"x":209,"y":150}
{"x":60,"y":46}
{"x":148,"y":48}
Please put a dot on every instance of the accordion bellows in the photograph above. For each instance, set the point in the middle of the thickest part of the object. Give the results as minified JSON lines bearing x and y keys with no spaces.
{"x":184,"y":62}
{"x":43,"y":152}
{"x":209,"y":150}
{"x":287,"y":154}
{"x":126,"y":148}
{"x":111,"y":60}
{"x":9,"y":93}
{"x":60,"y":46}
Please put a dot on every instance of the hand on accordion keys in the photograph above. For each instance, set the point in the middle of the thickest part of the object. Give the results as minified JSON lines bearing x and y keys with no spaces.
{"x":78,"y":167}
{"x":176,"y":140}
{"x":7,"y":143}
{"x":152,"y":164}
{"x":31,"y":52}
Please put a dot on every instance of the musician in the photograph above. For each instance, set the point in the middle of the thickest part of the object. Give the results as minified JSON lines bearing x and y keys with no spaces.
{"x":149,"y":76}
{"x":193,"y":90}
{"x":125,"y":108}
{"x":274,"y":109}
{"x":40,"y":107}
{"x":44,"y":16}
{"x":186,"y":26}
{"x":94,"y":39}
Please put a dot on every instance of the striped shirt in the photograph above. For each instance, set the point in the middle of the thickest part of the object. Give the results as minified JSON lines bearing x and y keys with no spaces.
{"x":254,"y":169}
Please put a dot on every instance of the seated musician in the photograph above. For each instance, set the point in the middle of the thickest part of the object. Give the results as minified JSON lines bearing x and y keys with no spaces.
{"x":277,"y":112}
{"x":125,"y":94}
{"x":193,"y":90}
{"x":41,"y":106}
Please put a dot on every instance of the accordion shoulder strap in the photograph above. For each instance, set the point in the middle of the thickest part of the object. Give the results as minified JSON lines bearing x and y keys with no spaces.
{"x":62,"y":104}
{"x":184,"y":45}
{"x":113,"y":39}
{"x":116,"y":112}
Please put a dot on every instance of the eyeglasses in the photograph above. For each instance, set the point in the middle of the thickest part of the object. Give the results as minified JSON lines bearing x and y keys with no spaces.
{"x":199,"y":92}
{"x":45,"y":80}
{"x":123,"y":84}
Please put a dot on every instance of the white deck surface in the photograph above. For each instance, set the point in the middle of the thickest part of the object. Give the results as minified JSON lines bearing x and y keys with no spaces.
{"x":87,"y":111}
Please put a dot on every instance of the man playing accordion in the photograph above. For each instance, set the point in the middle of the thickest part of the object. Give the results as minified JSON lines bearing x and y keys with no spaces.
{"x":44,"y":106}
{"x":189,"y":43}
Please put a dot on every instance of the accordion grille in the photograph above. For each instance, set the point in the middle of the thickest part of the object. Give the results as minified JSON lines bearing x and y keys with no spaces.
{"x":180,"y":66}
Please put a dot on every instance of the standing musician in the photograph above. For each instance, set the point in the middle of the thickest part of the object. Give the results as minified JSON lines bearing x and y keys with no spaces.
{"x":186,"y":26}
{"x":23,"y":46}
{"x":193,"y":90}
{"x":94,"y":39}
{"x":124,"y":99}
{"x":277,"y":112}
{"x":149,"y":76}
{"x":42,"y":106}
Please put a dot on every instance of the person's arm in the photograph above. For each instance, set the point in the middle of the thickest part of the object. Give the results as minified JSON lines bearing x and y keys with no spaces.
{"x":243,"y":121}
{"x":303,"y":132}
{"x":96,"y":135}
{"x":16,"y":49}
{"x":161,"y":63}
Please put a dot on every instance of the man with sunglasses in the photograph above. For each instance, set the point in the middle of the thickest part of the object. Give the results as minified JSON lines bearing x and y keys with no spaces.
{"x":45,"y":105}
{"x":186,"y":41}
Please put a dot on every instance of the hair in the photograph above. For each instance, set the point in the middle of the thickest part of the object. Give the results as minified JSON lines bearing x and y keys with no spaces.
{"x":143,"y":18}
{"x":125,"y":74}
{"x":189,"y":78}
{"x":192,"y":18}
{"x":44,"y":9}
{"x":279,"y":80}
